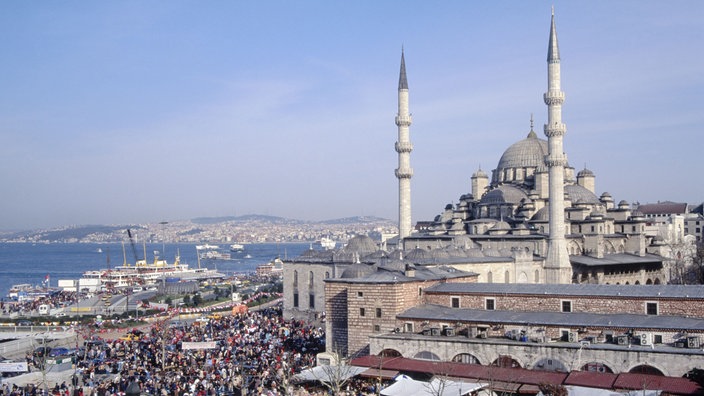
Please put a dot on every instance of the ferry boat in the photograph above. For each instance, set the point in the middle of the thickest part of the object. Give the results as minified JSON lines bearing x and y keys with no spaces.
{"x":237,"y":247}
{"x":326,"y":243}
{"x":143,"y":273}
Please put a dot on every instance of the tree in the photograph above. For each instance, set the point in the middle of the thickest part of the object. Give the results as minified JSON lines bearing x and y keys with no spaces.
{"x":336,"y":374}
{"x":197,"y":299}
{"x":187,"y":299}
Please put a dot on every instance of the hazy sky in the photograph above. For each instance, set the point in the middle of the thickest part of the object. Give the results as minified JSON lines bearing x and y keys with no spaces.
{"x":143,"y":111}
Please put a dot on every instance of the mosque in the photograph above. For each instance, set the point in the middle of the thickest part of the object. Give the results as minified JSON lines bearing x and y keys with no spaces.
{"x":524,"y":270}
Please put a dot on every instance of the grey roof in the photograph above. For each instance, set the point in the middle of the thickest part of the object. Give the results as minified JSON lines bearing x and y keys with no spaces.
{"x":391,"y":275}
{"x":569,"y":319}
{"x":589,"y":290}
{"x":615,"y":259}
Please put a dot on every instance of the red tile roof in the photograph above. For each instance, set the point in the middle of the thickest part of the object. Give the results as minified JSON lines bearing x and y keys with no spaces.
{"x":591,"y":379}
{"x":672,"y":385}
{"x":527,"y":381}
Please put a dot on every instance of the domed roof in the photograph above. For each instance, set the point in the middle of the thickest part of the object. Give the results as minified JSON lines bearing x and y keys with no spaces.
{"x":580,"y":194}
{"x":479,"y":173}
{"x":585,"y":172}
{"x":357,"y":271}
{"x":474,"y":252}
{"x":504,"y":194}
{"x":542,"y":215}
{"x":527,"y":153}
{"x":501,"y":226}
{"x":417,"y":254}
{"x":361,"y":244}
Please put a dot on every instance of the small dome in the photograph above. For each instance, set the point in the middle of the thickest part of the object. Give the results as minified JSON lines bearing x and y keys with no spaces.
{"x":503,"y":194}
{"x":357,"y":271}
{"x":439,"y":253}
{"x":361,"y":244}
{"x":585,"y":173}
{"x":501,"y":226}
{"x":542,"y":215}
{"x":474,"y":253}
{"x":623,"y":204}
{"x":480,"y":173}
{"x":580,"y":194}
{"x":417,"y":254}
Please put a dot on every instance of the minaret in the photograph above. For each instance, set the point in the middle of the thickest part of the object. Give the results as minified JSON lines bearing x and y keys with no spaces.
{"x":403,"y":148}
{"x":557,"y":264}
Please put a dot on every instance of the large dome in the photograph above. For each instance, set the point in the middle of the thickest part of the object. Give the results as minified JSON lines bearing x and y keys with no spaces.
{"x":527,"y":153}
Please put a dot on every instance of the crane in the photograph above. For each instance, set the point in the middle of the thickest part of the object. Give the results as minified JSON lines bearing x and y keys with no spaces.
{"x":134,"y":249}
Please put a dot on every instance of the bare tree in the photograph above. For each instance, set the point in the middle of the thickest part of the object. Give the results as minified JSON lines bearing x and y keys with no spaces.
{"x":336,"y":374}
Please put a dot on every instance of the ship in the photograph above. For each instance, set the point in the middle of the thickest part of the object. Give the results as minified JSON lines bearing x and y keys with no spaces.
{"x":326,"y":243}
{"x":237,"y":247}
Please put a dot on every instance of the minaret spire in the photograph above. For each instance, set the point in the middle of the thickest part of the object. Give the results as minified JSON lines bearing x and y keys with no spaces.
{"x":557,"y":264}
{"x":403,"y":148}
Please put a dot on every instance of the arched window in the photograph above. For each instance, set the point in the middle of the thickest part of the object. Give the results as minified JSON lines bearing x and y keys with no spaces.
{"x":537,"y":276}
{"x":295,"y":278}
{"x":327,"y":275}
{"x":489,"y":277}
{"x":507,"y":277}
{"x":310,"y":279}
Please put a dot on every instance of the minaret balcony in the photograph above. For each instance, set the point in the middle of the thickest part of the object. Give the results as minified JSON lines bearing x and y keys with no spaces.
{"x":554,"y":98}
{"x":404,"y":147}
{"x":404,"y":120}
{"x":555,"y":129}
{"x":404,"y":173}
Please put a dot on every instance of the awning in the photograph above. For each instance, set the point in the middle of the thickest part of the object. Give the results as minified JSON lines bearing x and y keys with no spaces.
{"x":376,"y":373}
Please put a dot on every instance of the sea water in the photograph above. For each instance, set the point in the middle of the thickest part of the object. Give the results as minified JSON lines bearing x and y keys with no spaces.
{"x":35,"y":263}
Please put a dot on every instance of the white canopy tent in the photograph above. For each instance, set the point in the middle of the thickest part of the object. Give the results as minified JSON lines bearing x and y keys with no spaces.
{"x":406,"y":386}
{"x":585,"y":391}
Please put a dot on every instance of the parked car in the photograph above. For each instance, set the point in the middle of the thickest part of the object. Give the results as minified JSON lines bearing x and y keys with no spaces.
{"x":60,"y":351}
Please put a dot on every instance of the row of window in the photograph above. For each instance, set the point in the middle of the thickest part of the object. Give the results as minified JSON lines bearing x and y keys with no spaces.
{"x":311,"y":301}
{"x":311,"y":278}
{"x":651,"y":308}
{"x":363,"y":312}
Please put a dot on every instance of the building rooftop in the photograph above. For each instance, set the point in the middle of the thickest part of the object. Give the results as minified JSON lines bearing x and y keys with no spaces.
{"x":587,"y":290}
{"x":566,"y":319}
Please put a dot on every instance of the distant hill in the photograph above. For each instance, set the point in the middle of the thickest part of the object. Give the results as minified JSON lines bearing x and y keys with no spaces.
{"x":244,"y":218}
{"x":355,"y":220}
{"x":283,"y":220}
{"x":71,"y":233}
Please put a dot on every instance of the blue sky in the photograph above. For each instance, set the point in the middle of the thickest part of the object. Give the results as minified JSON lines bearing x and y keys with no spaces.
{"x":143,"y":111}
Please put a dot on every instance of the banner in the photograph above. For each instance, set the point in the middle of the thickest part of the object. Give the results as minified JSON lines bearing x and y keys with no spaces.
{"x":199,"y":345}
{"x":13,"y":367}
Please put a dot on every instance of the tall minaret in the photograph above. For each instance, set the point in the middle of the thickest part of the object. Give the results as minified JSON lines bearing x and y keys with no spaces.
{"x":403,"y":148}
{"x":557,"y":264}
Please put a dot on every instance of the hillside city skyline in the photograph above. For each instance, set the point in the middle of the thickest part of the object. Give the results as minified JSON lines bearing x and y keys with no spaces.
{"x":228,"y":229}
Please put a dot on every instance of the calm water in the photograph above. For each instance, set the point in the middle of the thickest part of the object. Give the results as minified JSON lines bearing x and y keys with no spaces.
{"x":31,"y":263}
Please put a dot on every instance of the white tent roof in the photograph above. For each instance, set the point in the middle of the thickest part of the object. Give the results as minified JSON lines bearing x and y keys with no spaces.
{"x":585,"y":391}
{"x":323,"y":373}
{"x":406,"y":386}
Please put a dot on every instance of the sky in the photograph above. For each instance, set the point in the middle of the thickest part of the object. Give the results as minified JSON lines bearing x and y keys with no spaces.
{"x":147,"y":111}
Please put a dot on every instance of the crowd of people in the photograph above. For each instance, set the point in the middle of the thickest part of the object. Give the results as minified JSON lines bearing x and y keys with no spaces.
{"x":253,"y":353}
